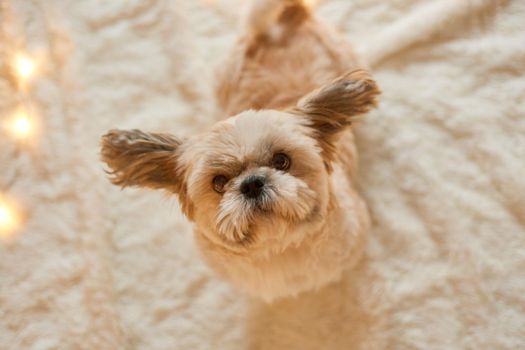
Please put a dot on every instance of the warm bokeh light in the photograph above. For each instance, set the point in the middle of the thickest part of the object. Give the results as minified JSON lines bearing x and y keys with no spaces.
{"x":9,"y":219}
{"x":311,"y":3}
{"x":20,"y":124}
{"x":25,"y":66}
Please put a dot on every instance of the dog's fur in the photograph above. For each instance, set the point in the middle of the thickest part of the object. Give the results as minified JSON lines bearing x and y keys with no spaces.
{"x":310,"y":222}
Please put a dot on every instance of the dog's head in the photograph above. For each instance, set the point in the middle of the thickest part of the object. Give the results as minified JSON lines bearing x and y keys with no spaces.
{"x":253,"y":176}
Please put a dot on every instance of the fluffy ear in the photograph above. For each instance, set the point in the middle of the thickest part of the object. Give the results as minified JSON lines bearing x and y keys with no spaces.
{"x":331,"y":108}
{"x":143,"y":159}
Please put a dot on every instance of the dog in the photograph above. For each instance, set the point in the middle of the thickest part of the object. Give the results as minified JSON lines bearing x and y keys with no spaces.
{"x":269,"y":189}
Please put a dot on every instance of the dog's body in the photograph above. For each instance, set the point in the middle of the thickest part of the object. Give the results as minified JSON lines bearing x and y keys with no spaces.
{"x":280,"y":58}
{"x":270,"y":190}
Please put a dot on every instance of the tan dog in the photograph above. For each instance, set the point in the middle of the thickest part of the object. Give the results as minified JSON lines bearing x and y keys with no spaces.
{"x":269,"y":189}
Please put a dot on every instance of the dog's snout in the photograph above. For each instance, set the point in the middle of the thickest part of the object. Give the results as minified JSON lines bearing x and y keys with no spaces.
{"x":253,"y":186}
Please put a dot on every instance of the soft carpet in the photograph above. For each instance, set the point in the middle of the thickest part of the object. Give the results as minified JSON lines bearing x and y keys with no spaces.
{"x":442,"y":168}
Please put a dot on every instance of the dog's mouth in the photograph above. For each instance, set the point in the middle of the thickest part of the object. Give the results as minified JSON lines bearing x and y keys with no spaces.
{"x":262,"y":205}
{"x":253,"y":237}
{"x":237,"y":225}
{"x":242,"y":226}
{"x":241,"y":218}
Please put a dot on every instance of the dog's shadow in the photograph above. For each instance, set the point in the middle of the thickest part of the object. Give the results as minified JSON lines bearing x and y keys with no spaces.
{"x":336,"y":317}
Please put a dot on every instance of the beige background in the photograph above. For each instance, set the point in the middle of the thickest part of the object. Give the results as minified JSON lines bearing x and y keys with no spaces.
{"x":442,"y":168}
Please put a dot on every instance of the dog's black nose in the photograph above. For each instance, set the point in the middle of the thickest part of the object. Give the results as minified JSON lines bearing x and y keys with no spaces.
{"x":253,"y":186}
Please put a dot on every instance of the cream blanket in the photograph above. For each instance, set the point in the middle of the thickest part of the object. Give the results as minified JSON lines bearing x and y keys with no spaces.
{"x":442,"y":167}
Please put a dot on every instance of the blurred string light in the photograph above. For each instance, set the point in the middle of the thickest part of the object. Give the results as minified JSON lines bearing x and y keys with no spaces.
{"x":24,"y":66}
{"x":20,"y":126}
{"x":311,"y":3}
{"x":10,"y":220}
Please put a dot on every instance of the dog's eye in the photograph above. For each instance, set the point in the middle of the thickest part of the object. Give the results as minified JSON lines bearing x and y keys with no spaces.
{"x":281,"y":161}
{"x":219,"y":182}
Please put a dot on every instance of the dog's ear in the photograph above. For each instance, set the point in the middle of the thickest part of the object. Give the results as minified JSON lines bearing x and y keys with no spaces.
{"x":141,"y":159}
{"x":331,"y":108}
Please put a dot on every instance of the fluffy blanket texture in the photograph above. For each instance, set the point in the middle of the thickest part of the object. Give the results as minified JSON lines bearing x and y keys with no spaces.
{"x":442,"y":167}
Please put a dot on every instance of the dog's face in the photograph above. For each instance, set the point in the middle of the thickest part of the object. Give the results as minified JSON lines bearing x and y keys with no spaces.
{"x":253,"y":178}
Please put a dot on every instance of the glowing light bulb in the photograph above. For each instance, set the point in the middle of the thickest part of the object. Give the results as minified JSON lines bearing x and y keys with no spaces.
{"x":20,"y":124}
{"x":311,"y":3}
{"x":25,"y":66}
{"x":9,"y":219}
{"x":5,"y":215}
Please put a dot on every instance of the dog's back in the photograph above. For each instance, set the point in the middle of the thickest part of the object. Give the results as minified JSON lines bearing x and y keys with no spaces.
{"x":283,"y":54}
